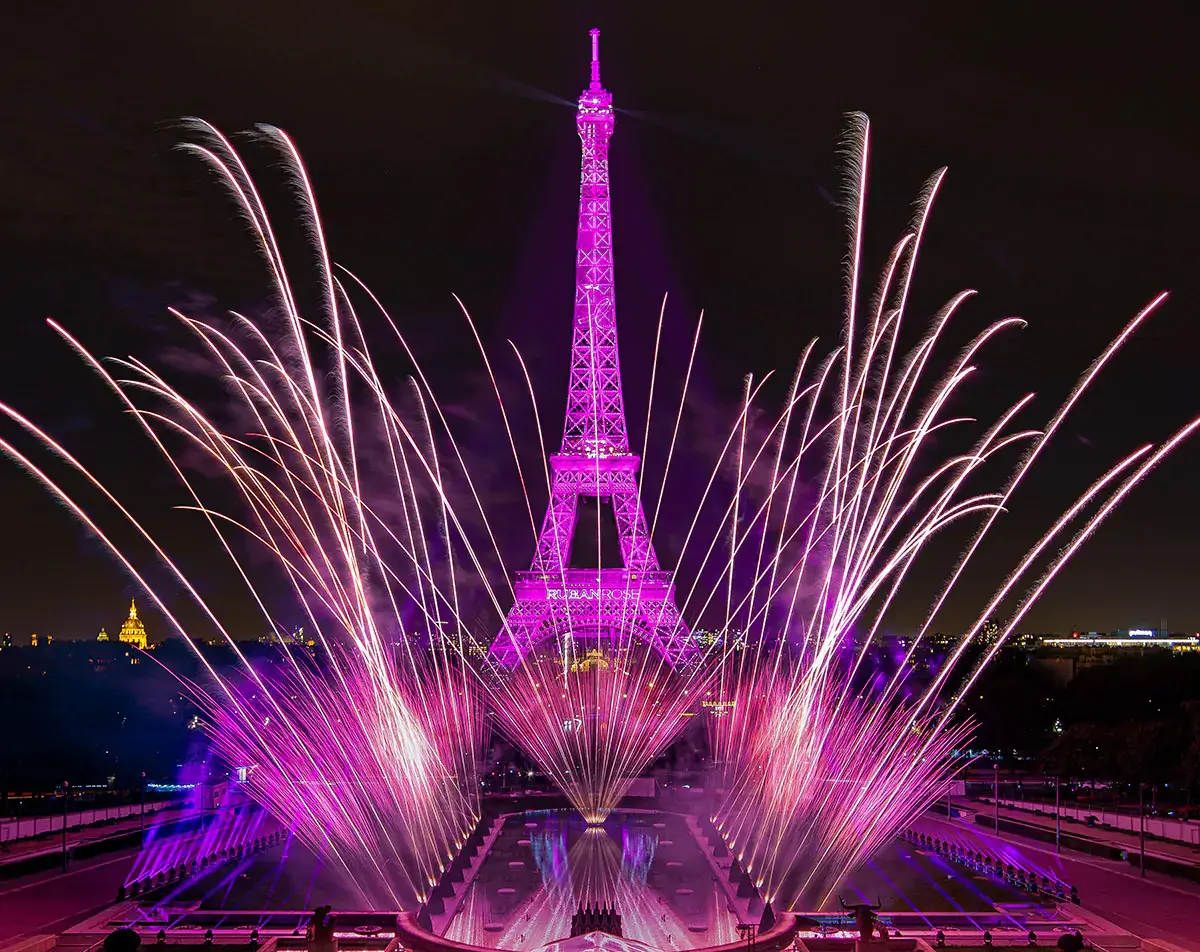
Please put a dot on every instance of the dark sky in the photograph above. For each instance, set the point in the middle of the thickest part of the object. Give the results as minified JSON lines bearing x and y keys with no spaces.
{"x":445,"y":161}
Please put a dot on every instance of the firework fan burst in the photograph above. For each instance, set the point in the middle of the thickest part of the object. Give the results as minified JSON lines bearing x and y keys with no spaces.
{"x":595,"y":721}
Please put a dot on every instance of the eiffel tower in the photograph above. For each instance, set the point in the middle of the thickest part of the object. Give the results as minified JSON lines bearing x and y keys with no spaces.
{"x":612,"y":606}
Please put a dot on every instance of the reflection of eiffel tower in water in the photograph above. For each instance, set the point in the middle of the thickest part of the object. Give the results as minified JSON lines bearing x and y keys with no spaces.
{"x":594,"y":467}
{"x":599,"y":877}
{"x":596,"y":919}
{"x":610,"y":878}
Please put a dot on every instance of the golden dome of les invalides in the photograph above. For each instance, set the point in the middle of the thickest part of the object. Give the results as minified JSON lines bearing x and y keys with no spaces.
{"x":133,"y":631}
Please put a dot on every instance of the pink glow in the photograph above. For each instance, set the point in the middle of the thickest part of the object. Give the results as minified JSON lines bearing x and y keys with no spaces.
{"x":610,"y":606}
{"x":596,"y":648}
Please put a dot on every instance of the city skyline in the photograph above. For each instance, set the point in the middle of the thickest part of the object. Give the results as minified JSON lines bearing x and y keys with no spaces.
{"x":159,"y":631}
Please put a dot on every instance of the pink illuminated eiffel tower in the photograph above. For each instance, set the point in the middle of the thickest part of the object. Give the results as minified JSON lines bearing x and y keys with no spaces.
{"x":609,"y":605}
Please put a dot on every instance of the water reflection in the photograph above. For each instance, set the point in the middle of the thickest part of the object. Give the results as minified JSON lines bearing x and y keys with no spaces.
{"x":543,"y":867}
{"x":549,"y":848}
{"x":637,"y":854}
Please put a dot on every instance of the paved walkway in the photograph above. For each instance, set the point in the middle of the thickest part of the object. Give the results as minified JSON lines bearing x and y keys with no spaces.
{"x":1177,"y":852}
{"x":48,"y":903}
{"x":1153,"y":907}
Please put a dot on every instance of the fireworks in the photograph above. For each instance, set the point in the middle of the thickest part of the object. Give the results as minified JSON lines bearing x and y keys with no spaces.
{"x":369,"y":510}
{"x":370,"y":756}
{"x":594,"y":721}
{"x":821,"y":762}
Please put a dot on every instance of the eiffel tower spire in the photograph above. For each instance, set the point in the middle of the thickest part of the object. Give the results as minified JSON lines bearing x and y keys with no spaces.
{"x":595,"y":421}
{"x":553,"y":599}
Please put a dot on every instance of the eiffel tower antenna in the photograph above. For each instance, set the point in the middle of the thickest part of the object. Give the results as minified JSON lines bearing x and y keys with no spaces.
{"x":596,"y":59}
{"x":554,"y":600}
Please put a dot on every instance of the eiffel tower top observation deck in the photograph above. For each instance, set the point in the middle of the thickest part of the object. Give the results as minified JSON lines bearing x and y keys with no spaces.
{"x":553,"y":599}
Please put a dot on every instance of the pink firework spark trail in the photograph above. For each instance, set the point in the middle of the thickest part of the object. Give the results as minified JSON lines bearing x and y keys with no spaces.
{"x":369,"y":508}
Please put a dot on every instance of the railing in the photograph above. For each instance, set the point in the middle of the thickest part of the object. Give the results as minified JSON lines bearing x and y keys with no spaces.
{"x":1179,"y":831}
{"x":28,"y":827}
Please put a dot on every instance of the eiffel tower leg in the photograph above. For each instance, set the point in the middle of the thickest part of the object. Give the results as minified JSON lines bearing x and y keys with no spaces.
{"x":558,"y":528}
{"x":636,"y":551}
{"x":524,"y":628}
{"x":668,"y":634}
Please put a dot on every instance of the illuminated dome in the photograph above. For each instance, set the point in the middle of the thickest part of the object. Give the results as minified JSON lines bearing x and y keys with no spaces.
{"x":593,"y":659}
{"x":133,"y":632}
{"x":597,"y":942}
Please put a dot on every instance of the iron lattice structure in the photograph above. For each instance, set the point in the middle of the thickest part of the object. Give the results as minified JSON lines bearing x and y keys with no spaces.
{"x":613,"y":605}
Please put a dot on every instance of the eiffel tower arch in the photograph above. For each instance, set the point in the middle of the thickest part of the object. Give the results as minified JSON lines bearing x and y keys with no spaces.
{"x":636,"y":601}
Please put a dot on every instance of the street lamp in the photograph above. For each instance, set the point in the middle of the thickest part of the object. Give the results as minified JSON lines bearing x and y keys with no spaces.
{"x":1142,"y":827}
{"x":1057,"y":819}
{"x":66,"y":802}
{"x":996,"y":795}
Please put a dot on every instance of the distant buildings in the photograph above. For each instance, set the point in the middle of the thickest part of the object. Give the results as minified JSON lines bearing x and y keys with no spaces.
{"x":593,"y":658}
{"x":990,"y":633}
{"x":132,"y":633}
{"x":293,"y":639}
{"x":718,"y":707}
{"x":1121,"y":639}
{"x":1063,"y":658}
{"x":733,"y":638}
{"x":1125,"y":638}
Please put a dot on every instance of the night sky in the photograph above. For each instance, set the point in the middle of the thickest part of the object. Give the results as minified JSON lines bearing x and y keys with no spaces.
{"x":441,"y":142}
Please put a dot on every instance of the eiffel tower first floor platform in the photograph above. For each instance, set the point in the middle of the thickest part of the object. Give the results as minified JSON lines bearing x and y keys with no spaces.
{"x":612,"y":607}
